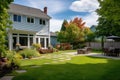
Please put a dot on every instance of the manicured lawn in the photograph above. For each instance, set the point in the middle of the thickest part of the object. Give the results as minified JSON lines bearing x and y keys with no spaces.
{"x":78,"y":68}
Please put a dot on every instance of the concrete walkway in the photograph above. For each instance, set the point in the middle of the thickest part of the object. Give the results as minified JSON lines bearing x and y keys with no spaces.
{"x":94,"y":55}
{"x":102,"y":56}
{"x":7,"y":78}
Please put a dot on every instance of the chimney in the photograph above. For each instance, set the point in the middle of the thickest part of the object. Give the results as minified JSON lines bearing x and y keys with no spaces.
{"x":45,"y":10}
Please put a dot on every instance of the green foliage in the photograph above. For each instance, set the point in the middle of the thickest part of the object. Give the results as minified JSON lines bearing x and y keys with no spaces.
{"x":73,"y":32}
{"x":12,"y":59}
{"x":70,"y":35}
{"x":4,"y":23}
{"x":90,"y":37}
{"x":109,"y":20}
{"x":36,"y":46}
{"x":63,"y":28}
{"x":28,"y":53}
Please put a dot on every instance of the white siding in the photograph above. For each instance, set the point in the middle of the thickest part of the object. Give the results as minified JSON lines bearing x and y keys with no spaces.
{"x":34,"y":27}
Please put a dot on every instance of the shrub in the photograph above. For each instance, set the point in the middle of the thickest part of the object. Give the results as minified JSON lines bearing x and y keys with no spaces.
{"x":28,"y":53}
{"x":12,"y":58}
{"x":18,"y":56}
{"x":36,"y":46}
{"x":64,"y":46}
{"x":9,"y":62}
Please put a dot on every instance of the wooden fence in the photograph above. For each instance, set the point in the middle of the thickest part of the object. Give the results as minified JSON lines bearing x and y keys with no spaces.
{"x":97,"y":45}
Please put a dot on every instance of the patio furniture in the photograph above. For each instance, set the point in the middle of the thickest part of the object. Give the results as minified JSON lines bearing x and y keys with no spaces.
{"x":106,"y":52}
{"x":84,"y":50}
{"x":116,"y":52}
{"x":111,"y":52}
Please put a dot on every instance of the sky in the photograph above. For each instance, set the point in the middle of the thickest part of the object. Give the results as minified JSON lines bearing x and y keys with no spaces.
{"x":65,"y":9}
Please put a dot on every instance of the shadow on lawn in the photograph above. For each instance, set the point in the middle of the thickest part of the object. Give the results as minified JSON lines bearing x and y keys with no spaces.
{"x":70,"y":71}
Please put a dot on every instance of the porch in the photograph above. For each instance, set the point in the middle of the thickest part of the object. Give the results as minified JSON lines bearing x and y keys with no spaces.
{"x":26,"y":40}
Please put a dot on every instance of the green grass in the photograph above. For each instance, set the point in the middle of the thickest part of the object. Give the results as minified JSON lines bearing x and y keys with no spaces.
{"x":79,"y":68}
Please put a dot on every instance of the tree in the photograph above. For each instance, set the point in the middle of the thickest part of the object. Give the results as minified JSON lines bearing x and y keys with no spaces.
{"x":65,"y":23}
{"x":109,"y":20}
{"x":73,"y":32}
{"x":78,"y":22}
{"x":4,"y":23}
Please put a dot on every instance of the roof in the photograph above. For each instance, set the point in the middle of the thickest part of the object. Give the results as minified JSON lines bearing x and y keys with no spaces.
{"x":53,"y":34}
{"x":24,"y":10}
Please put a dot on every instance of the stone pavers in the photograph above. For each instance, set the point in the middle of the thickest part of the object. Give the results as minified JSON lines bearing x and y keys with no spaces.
{"x":34,"y":66}
{"x":7,"y":78}
{"x":21,"y":71}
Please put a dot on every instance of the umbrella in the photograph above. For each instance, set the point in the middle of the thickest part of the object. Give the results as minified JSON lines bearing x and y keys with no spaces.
{"x":113,"y":37}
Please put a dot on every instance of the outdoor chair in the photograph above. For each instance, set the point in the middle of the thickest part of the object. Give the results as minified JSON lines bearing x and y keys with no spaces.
{"x":106,"y":52}
{"x":116,"y":52}
{"x":84,"y":50}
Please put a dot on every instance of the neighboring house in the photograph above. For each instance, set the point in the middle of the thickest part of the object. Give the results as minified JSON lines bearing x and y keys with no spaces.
{"x":93,"y":28}
{"x":30,"y":25}
{"x":53,"y":39}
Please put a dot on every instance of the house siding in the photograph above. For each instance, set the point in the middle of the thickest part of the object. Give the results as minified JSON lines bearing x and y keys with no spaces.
{"x":35,"y":27}
{"x":28,"y":33}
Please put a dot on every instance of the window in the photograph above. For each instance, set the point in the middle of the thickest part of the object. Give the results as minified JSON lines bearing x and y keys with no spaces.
{"x":17,"y":18}
{"x":42,"y":22}
{"x":42,"y":42}
{"x":30,"y":20}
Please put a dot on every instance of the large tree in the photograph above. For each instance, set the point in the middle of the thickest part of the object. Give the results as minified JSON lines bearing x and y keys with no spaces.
{"x":4,"y":23}
{"x":65,"y":23}
{"x":73,"y":32}
{"x":109,"y":18}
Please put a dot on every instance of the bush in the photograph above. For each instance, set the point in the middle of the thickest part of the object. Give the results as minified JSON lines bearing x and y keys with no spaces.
{"x":9,"y":61}
{"x":64,"y":46}
{"x":28,"y":53}
{"x":12,"y":58}
{"x":36,"y":46}
{"x":78,"y":45}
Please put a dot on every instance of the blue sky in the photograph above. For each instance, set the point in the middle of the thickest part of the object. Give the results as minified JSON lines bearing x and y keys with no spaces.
{"x":65,"y":9}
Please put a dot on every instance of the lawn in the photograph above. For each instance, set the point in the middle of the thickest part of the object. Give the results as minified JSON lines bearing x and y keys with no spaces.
{"x":60,"y":67}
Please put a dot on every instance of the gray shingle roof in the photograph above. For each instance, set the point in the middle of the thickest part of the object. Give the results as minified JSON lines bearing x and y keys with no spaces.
{"x":53,"y":34}
{"x":24,"y":10}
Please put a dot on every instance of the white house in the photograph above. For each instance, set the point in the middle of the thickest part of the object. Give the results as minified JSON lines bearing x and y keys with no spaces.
{"x":30,"y":25}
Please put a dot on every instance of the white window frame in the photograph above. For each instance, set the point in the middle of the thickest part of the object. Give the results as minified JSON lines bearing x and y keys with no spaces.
{"x":30,"y":20}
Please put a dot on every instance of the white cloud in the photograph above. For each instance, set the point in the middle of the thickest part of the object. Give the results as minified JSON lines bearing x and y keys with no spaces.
{"x":55,"y":25}
{"x":84,"y":5}
{"x":90,"y":19}
{"x":54,"y":6}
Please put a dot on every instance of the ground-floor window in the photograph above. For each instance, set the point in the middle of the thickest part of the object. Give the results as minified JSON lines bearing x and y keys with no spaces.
{"x":23,"y":41}
{"x":42,"y":42}
{"x":31,"y":41}
{"x":27,"y":40}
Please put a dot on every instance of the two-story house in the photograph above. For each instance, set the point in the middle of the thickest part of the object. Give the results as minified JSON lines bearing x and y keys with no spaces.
{"x":30,"y":25}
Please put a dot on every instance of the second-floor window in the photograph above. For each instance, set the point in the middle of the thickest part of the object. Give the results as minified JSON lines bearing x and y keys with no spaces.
{"x":17,"y":18}
{"x":30,"y":20}
{"x":42,"y":22}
